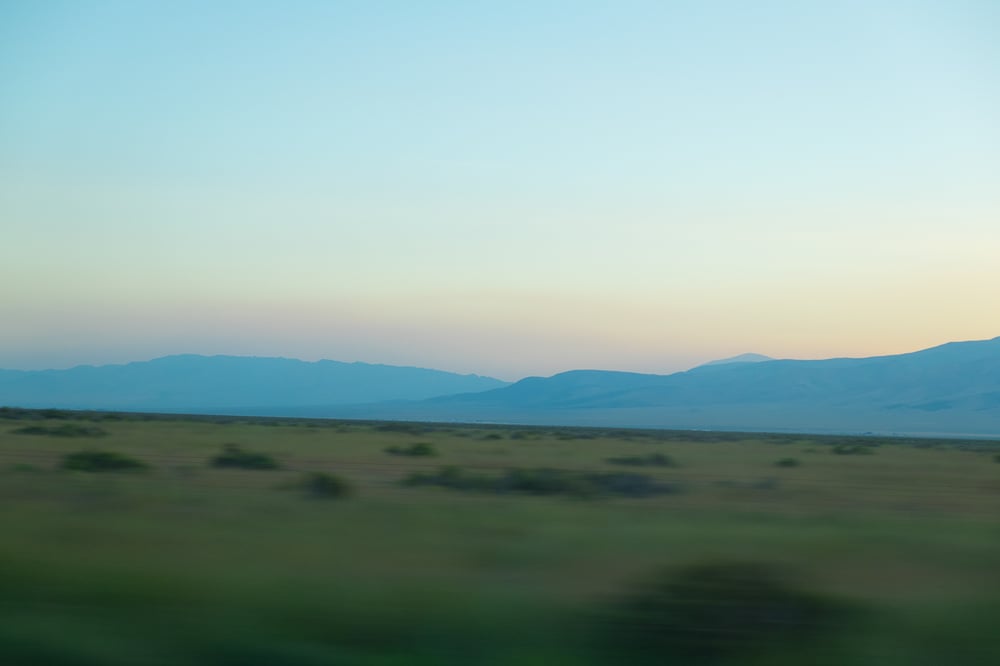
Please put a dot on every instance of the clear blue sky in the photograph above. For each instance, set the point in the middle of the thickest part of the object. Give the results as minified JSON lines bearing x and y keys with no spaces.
{"x":506,"y":188}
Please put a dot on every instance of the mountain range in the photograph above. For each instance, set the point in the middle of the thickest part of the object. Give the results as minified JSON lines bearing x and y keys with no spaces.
{"x":949,"y":389}
{"x":242,"y":384}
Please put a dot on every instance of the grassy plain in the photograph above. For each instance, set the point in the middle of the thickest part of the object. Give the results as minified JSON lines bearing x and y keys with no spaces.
{"x":183,"y":563}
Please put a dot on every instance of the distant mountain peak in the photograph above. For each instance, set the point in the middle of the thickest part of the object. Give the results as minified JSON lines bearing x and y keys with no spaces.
{"x":741,"y":358}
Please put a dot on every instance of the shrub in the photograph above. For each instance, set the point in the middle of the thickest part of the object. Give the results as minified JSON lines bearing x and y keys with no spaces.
{"x":545,"y":481}
{"x":630,"y":484}
{"x":449,"y":477}
{"x":418,"y":449}
{"x":101,"y":461}
{"x":704,"y":612}
{"x":64,"y":430}
{"x":787,"y":462}
{"x":996,"y":458}
{"x":235,"y":457}
{"x":321,"y":485}
{"x":16,"y":413}
{"x":651,"y":460}
{"x":852,"y":450}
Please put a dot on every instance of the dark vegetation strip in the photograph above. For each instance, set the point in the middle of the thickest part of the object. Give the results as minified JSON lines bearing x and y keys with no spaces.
{"x":63,"y":430}
{"x":302,"y":464}
{"x":545,"y":481}
{"x":651,"y":460}
{"x":567,"y":433}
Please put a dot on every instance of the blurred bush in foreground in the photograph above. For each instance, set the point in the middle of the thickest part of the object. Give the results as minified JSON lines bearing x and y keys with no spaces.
{"x":704,"y":613}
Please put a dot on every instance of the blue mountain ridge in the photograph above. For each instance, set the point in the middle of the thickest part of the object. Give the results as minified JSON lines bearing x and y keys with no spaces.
{"x":200,"y":383}
{"x":954,"y":374}
{"x":953,"y":388}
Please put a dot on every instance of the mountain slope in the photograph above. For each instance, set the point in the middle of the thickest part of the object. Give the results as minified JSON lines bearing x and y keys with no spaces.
{"x":952,"y":388}
{"x":957,"y":374}
{"x":206,"y":383}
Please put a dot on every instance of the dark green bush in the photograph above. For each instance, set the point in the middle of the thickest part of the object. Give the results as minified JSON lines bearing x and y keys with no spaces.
{"x":16,"y":413}
{"x":101,"y":461}
{"x":33,"y":430}
{"x":705,"y":612}
{"x":545,"y":481}
{"x":321,"y":485}
{"x":64,"y":430}
{"x":418,"y":449}
{"x":630,"y":484}
{"x":449,"y":477}
{"x":996,"y":458}
{"x":787,"y":462}
{"x":233,"y":456}
{"x":651,"y":460}
{"x":853,"y":450}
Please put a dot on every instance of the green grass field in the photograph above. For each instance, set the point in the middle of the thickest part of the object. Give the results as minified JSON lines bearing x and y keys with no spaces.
{"x":181,"y":562}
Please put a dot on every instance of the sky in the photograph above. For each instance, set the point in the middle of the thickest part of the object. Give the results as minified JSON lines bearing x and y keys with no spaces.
{"x":503,"y":188}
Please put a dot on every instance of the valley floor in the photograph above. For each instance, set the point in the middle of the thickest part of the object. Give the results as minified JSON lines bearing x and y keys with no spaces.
{"x":491,"y":545}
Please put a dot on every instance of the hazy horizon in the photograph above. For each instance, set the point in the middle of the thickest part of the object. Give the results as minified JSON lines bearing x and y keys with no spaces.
{"x":506,"y":190}
{"x":735,"y":358}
